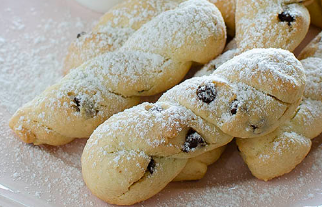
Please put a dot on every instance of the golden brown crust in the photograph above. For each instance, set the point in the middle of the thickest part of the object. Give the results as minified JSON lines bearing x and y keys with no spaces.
{"x":281,"y":151}
{"x":140,"y":150}
{"x":270,"y":24}
{"x":154,"y":59}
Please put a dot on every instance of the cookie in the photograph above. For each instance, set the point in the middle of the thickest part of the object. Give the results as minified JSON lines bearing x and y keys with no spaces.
{"x":271,"y":24}
{"x":155,"y":58}
{"x":264,"y":24}
{"x":136,"y":153}
{"x":118,"y":24}
{"x":113,"y":30}
{"x":280,"y":152}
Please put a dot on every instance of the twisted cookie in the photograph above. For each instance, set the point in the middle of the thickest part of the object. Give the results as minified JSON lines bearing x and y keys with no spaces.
{"x":155,"y":58}
{"x":118,"y":24}
{"x":271,"y":23}
{"x":136,"y":153}
{"x":113,"y":29}
{"x":280,"y":151}
{"x":264,"y":24}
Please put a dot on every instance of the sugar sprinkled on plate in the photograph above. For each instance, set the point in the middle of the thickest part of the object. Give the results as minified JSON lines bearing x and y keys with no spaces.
{"x":31,"y":61}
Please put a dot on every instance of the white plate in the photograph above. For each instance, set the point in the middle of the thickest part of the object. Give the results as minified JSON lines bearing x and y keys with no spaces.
{"x":34,"y":36}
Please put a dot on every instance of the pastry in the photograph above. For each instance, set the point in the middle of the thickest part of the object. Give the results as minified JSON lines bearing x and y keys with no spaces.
{"x":119,"y":23}
{"x":264,"y":24}
{"x":278,"y":153}
{"x":136,"y":153}
{"x":155,"y":58}
{"x":113,"y":29}
{"x":271,"y":23}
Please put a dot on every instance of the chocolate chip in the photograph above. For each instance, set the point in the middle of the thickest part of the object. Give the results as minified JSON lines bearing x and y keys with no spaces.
{"x":206,"y":93}
{"x":192,"y":140}
{"x":254,"y":127}
{"x":156,"y":108}
{"x":234,"y":107}
{"x":151,"y":166}
{"x":77,"y":102}
{"x":80,"y":34}
{"x":85,"y":107}
{"x":286,"y":17}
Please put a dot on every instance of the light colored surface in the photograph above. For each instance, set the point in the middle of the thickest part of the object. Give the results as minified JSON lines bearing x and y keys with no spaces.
{"x":34,"y":36}
{"x":99,"y":5}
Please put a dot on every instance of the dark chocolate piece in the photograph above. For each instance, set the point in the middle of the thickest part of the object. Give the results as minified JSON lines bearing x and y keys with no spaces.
{"x":234,"y":107}
{"x":77,"y":102}
{"x":286,"y":17}
{"x":193,"y":140}
{"x":151,"y":166}
{"x":206,"y":93}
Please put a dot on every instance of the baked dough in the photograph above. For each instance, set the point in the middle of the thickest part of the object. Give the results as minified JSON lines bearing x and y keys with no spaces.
{"x":278,"y":153}
{"x":271,"y":23}
{"x":118,"y":24}
{"x":155,"y":58}
{"x":137,"y":152}
{"x":114,"y":29}
{"x":264,"y":24}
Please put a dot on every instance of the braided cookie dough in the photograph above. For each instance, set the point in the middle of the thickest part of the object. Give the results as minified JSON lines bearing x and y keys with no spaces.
{"x":264,"y":24}
{"x":136,"y":153}
{"x":278,"y":153}
{"x":113,"y":29}
{"x":271,"y":23}
{"x":154,"y":58}
{"x":118,"y":24}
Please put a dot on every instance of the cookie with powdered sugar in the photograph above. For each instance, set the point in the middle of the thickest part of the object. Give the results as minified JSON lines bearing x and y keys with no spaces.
{"x":113,"y":29}
{"x":268,"y":23}
{"x":264,"y":24}
{"x":118,"y":24}
{"x":137,"y":152}
{"x":279,"y":98}
{"x":155,"y":58}
{"x":280,"y":152}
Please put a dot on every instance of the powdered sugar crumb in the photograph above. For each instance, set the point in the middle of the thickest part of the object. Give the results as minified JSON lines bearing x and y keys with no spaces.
{"x":51,"y":176}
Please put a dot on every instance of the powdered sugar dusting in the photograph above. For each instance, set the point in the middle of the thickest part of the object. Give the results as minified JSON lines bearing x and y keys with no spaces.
{"x":258,"y":21}
{"x":175,"y":29}
{"x":273,"y":71}
{"x":51,"y":176}
{"x":111,"y":33}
